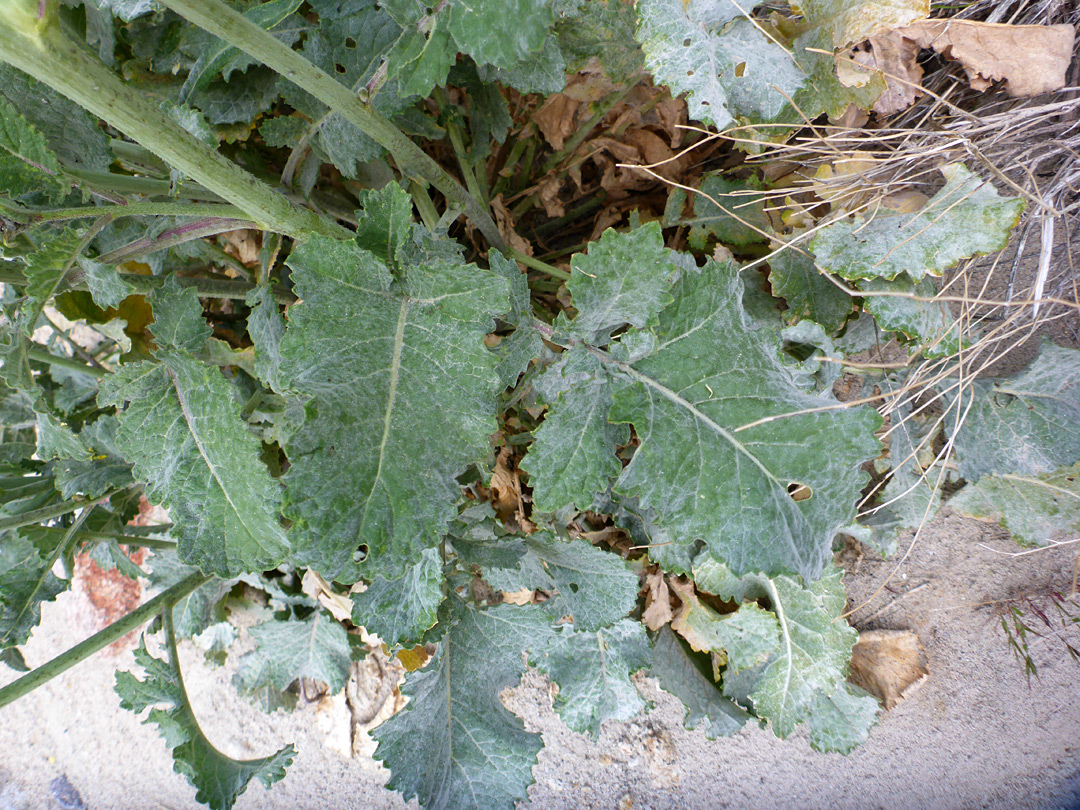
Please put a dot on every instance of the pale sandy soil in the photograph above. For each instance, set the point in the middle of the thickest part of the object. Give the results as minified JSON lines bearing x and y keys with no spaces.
{"x":974,"y":735}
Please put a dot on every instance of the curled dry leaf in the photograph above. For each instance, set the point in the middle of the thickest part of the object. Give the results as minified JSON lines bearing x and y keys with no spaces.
{"x":657,"y":601}
{"x":1030,"y":59}
{"x":339,"y":605}
{"x":505,"y":220}
{"x":886,"y":664}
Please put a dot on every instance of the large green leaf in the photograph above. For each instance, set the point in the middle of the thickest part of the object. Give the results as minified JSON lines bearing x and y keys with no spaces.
{"x":402,"y":400}
{"x":841,"y":720}
{"x":815,"y":648}
{"x":500,"y":32}
{"x":1027,"y":424}
{"x":455,"y":745}
{"x":45,"y":270}
{"x":1037,"y":509}
{"x":27,"y":165}
{"x":183,"y":432}
{"x":724,"y":63}
{"x":708,"y":478}
{"x":218,"y":779}
{"x":746,"y":638}
{"x":967,"y":217}
{"x":593,"y":673}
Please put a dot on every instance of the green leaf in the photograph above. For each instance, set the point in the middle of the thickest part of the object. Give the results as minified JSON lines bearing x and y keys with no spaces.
{"x":216,"y":57}
{"x":266,"y":328}
{"x":543,"y":73}
{"x":573,"y":457}
{"x":218,"y":779}
{"x":625,"y":278}
{"x":402,"y":401}
{"x":808,"y":293}
{"x":400,"y":611}
{"x":707,"y":477}
{"x":603,"y":31}
{"x":317,"y":647}
{"x":1036,"y":509}
{"x":521,"y":347}
{"x":593,"y":673}
{"x":500,"y":32}
{"x":71,"y":133}
{"x":422,"y":56}
{"x":27,"y":165}
{"x":106,"y":285}
{"x":814,"y":650}
{"x":57,"y":440}
{"x":686,"y":676}
{"x":842,"y":720}
{"x":967,"y":217}
{"x":725,"y":65}
{"x":201,"y":608}
{"x":929,"y":323}
{"x":747,"y":637}
{"x":178,"y":317}
{"x":1027,"y":424}
{"x":26,"y":581}
{"x":455,"y":745}
{"x":595,"y":587}
{"x":241,"y":99}
{"x":182,"y":431}
{"x":386,"y":222}
{"x":45,"y":270}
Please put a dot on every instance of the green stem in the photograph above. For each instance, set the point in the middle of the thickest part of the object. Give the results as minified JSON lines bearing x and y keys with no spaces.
{"x":507,"y":171}
{"x":536,"y":264}
{"x":148,"y":186}
{"x":424,"y":205}
{"x":114,"y":632}
{"x":49,"y":512}
{"x":140,"y":209}
{"x":205,"y":287}
{"x":189,"y":232}
{"x":598,"y":199}
{"x":124,"y":539}
{"x":34,"y":44}
{"x":231,"y":26}
{"x":44,"y":356}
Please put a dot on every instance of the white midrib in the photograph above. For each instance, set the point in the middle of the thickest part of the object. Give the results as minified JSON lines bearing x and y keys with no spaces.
{"x":391,"y":396}
{"x":778,"y":607}
{"x":240,"y":513}
{"x":719,"y":429}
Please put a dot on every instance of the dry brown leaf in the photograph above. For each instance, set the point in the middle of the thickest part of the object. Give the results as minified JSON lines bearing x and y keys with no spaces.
{"x":505,"y":222}
{"x":896,"y":57}
{"x":657,"y":601}
{"x":1030,"y":59}
{"x":549,"y":190}
{"x":905,"y":202}
{"x":506,"y":497}
{"x":243,"y":244}
{"x":556,"y":119}
{"x":886,"y":664}
{"x":339,"y":605}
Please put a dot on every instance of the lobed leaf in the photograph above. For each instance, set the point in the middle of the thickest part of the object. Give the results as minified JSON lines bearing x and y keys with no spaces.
{"x":455,"y":745}
{"x":401,"y":400}
{"x":26,"y":581}
{"x":182,"y":430}
{"x":219,"y":780}
{"x":27,"y":164}
{"x":316,"y":648}
{"x":967,"y":217}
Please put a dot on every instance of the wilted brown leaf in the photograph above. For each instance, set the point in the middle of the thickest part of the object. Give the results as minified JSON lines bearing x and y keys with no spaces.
{"x":657,"y":601}
{"x":1030,"y":59}
{"x":886,"y":664}
{"x":505,"y":221}
{"x":556,"y":119}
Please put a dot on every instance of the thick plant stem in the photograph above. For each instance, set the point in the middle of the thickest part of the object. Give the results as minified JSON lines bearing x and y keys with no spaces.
{"x":103,"y":638}
{"x":139,"y":209}
{"x":205,"y":287}
{"x":35,"y":45}
{"x":45,"y":356}
{"x":222,"y":21}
